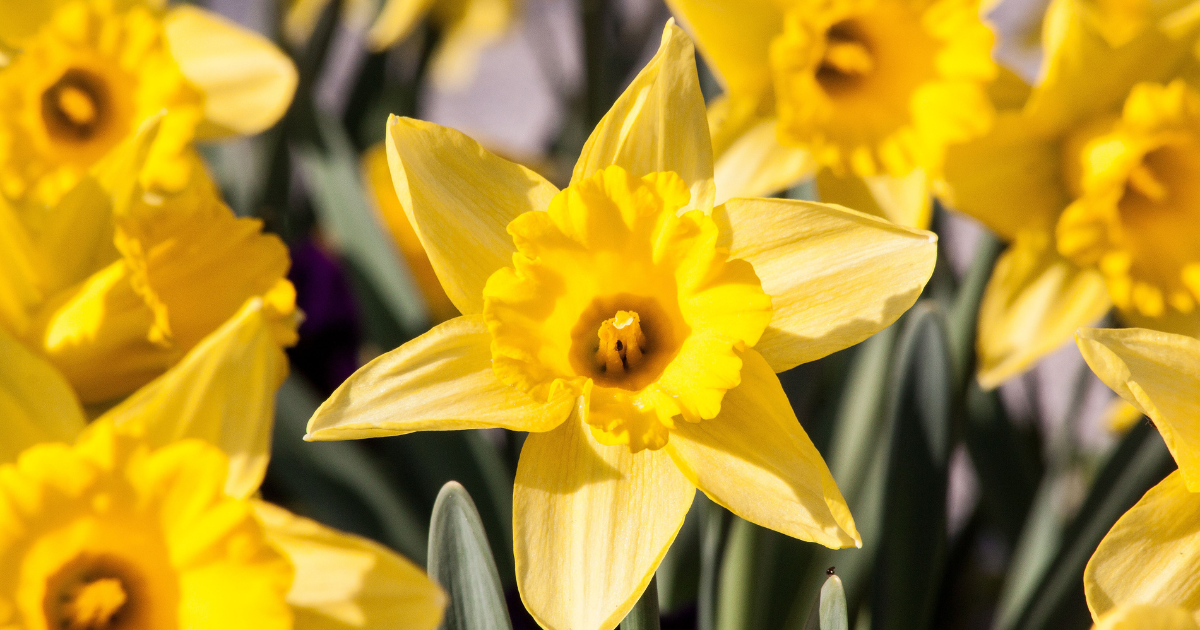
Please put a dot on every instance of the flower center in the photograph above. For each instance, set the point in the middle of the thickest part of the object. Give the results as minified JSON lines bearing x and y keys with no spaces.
{"x":94,"y":593}
{"x":847,"y":59}
{"x":75,"y":108}
{"x":93,"y":605}
{"x":625,"y":341}
{"x":621,"y":343}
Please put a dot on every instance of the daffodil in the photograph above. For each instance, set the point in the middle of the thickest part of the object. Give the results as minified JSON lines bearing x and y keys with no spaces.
{"x":1147,"y":560}
{"x":117,"y":283}
{"x":466,"y":28}
{"x":1092,"y":179}
{"x":89,"y":72}
{"x":869,"y":92}
{"x":634,"y":330}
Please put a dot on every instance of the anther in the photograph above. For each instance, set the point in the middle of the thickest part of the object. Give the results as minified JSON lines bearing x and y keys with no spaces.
{"x":621,"y":343}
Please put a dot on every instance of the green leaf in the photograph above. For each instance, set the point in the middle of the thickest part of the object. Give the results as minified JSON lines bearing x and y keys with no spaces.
{"x":1007,"y":463}
{"x":829,"y":612}
{"x":644,"y":615}
{"x":738,"y":582}
{"x":712,"y":536}
{"x":460,"y":559}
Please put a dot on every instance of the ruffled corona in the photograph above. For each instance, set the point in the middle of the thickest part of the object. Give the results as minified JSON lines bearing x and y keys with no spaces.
{"x":880,"y":87}
{"x":1137,"y":216}
{"x":617,"y":296}
{"x":110,"y":535}
{"x":81,"y":84}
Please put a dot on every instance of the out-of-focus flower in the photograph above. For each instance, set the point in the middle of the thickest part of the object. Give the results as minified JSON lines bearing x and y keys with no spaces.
{"x":1091,"y":177}
{"x":89,"y":73}
{"x":116,"y":283}
{"x":1145,"y":566}
{"x":466,"y":28}
{"x":378,"y":178}
{"x":872,"y":91}
{"x":634,"y":330}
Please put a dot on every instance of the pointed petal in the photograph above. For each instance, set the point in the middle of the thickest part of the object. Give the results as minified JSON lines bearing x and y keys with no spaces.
{"x":835,"y":276}
{"x":658,"y":124}
{"x":460,"y":198}
{"x":756,"y":460}
{"x":1151,"y":553}
{"x":1011,"y":179}
{"x":902,"y":200}
{"x":590,"y":525}
{"x":346,"y":582}
{"x":1147,"y":617}
{"x":1159,"y":373}
{"x":20,"y":285}
{"x":440,"y":381}
{"x":395,"y":21}
{"x":756,"y":165}
{"x":223,"y":391}
{"x":36,"y":402}
{"x":735,"y":37}
{"x":247,"y":81}
{"x":1032,"y":304}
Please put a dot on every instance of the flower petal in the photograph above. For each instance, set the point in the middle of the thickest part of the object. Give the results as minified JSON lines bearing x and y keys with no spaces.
{"x":247,"y":81}
{"x":223,"y":391}
{"x":755,"y":164}
{"x":1147,"y":617}
{"x":440,"y":381}
{"x":1032,"y":304}
{"x":395,"y":21}
{"x":1159,"y":373}
{"x":460,"y":198}
{"x":658,"y":124}
{"x":20,"y":283}
{"x":346,"y":582}
{"x":1011,"y":179}
{"x":590,"y":525}
{"x":1151,"y":553}
{"x":36,"y":402}
{"x":481,"y":24}
{"x":835,"y":276}
{"x":755,"y":459}
{"x":735,"y":37}
{"x":902,"y":200}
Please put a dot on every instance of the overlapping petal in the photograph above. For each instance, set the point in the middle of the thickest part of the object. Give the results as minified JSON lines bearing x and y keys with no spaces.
{"x":658,"y":124}
{"x":20,"y":279}
{"x":835,"y":276}
{"x":756,"y":460}
{"x":1147,"y":617}
{"x":1151,"y":553}
{"x":735,"y":37}
{"x":345,"y":582}
{"x":756,"y":164}
{"x":591,"y":524}
{"x":460,"y":198}
{"x":1159,"y":373}
{"x":1033,"y":303}
{"x":442,"y":380}
{"x":902,"y":200}
{"x":36,"y":402}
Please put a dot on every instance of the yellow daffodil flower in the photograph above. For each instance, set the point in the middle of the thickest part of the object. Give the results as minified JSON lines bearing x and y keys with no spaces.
{"x":89,"y":72}
{"x":1088,"y":176}
{"x":467,"y":28}
{"x":634,"y":330}
{"x":871,"y":91}
{"x":113,"y":533}
{"x":378,"y":179}
{"x":117,"y":283}
{"x":1147,"y":560}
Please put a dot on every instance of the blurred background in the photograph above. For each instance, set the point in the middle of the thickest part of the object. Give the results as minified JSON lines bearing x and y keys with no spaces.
{"x":1007,"y":495}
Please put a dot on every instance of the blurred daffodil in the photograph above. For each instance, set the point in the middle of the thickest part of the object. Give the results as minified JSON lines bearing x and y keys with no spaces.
{"x":1144,"y":569}
{"x":117,"y":283}
{"x":89,"y":72}
{"x":1092,"y":179}
{"x":466,"y":28}
{"x":870,"y":91}
{"x":634,"y":330}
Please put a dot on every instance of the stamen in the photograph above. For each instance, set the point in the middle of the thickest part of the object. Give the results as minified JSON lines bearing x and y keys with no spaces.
{"x":1143,"y":180}
{"x":92,"y":605}
{"x":621,"y":343}
{"x":77,"y":105}
{"x":848,"y":57}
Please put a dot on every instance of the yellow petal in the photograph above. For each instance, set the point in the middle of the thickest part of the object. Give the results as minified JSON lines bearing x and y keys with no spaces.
{"x":21,"y":286}
{"x":590,"y":525}
{"x":1011,"y":179}
{"x":1147,"y":617}
{"x":247,"y":81}
{"x":36,"y":402}
{"x":1151,"y":553}
{"x":464,"y":38}
{"x":223,"y":392}
{"x":735,"y":38}
{"x":1032,"y":304}
{"x":835,"y":276}
{"x":346,"y":582}
{"x":77,"y":237}
{"x":902,"y":200}
{"x":1159,"y":373}
{"x":440,"y":381}
{"x":460,"y":198}
{"x":756,"y":460}
{"x":1120,"y":416}
{"x":756,"y":165}
{"x":658,"y":124}
{"x":396,"y":21}
{"x":301,"y":20}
